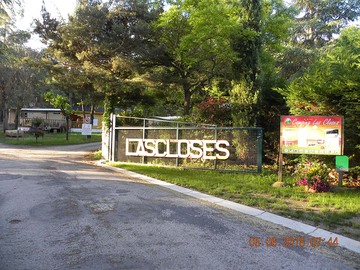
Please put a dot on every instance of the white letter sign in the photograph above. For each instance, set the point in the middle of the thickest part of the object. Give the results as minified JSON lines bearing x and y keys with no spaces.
{"x":205,"y":149}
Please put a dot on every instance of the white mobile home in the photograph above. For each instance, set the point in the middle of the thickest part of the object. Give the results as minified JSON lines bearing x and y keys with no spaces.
{"x":52,"y":118}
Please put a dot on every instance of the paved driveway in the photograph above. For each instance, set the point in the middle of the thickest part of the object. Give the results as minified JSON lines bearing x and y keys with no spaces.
{"x":59,"y":211}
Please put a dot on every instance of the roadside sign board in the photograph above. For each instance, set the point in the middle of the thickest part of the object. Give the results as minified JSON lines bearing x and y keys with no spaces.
{"x":342,"y":163}
{"x":312,"y":135}
{"x":86,"y":129}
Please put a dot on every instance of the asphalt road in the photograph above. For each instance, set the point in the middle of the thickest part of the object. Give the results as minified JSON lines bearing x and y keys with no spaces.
{"x":60,"y":211}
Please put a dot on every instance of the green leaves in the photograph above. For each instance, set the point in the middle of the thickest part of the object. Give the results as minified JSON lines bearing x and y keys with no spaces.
{"x":93,"y":55}
{"x":59,"y":102}
{"x":320,"y":20}
{"x":331,"y":86}
{"x":336,"y":72}
{"x":196,"y":39}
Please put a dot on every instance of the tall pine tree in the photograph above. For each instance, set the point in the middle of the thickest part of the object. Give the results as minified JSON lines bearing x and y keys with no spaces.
{"x":245,"y":93}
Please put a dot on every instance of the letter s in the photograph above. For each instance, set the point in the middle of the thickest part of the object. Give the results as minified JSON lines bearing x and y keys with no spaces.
{"x":222,"y":149}
{"x":196,"y":151}
{"x":150,"y":145}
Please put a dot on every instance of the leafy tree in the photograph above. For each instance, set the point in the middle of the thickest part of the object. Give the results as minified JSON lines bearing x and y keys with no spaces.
{"x":245,"y":92}
{"x":26,"y":83}
{"x":7,"y":29}
{"x":292,"y":38}
{"x":67,"y":71}
{"x":17,"y":76}
{"x":194,"y":38}
{"x":277,"y":20}
{"x":317,"y":24}
{"x":331,"y":87}
{"x":321,"y":20}
{"x":18,"y":81}
{"x":61,"y":102}
{"x":95,"y":52}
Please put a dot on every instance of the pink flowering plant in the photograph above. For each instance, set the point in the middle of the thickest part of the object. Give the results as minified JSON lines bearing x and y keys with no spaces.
{"x":313,"y":175}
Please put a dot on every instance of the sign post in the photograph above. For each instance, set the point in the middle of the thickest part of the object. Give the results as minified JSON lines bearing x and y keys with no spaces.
{"x":280,"y":169}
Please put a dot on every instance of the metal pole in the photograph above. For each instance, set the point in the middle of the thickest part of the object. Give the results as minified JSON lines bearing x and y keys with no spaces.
{"x":216,"y":137}
{"x":143,"y":136}
{"x":108,"y":132}
{"x":177,"y":138}
{"x":113,"y":137}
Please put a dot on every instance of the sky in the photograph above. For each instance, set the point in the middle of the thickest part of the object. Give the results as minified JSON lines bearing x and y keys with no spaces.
{"x":32,"y":9}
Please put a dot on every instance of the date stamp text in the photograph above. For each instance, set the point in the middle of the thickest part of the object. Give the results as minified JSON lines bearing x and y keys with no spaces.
{"x":293,"y":241}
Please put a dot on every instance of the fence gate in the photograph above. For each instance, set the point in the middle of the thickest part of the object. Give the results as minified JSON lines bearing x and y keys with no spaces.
{"x":181,"y":144}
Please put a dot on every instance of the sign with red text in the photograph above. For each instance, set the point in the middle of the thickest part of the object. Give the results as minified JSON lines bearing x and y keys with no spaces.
{"x":316,"y":135}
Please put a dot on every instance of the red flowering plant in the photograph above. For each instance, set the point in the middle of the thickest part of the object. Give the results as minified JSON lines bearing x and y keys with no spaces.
{"x":312,"y":174}
{"x":213,"y":111}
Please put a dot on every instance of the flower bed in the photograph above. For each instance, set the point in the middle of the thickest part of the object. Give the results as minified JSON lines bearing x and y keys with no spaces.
{"x":314,"y":175}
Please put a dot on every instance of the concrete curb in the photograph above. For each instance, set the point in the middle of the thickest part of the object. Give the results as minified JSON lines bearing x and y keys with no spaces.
{"x":343,"y":241}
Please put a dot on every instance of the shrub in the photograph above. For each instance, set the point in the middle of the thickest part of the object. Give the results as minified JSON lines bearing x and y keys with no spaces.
{"x":312,"y":174}
{"x":36,"y":122}
{"x":213,"y":110}
{"x":36,"y":127}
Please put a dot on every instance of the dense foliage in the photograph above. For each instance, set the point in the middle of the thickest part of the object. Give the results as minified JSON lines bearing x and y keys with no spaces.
{"x":225,"y":62}
{"x":331,"y":87}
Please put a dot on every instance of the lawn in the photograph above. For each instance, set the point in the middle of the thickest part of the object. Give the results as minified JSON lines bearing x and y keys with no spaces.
{"x":50,"y":139}
{"x":337,"y":210}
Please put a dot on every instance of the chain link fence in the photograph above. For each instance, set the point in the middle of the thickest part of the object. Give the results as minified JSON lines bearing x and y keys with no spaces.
{"x":187,"y":145}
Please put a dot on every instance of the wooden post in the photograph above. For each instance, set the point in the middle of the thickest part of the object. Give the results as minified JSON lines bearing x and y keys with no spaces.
{"x":341,"y":173}
{"x":280,"y":169}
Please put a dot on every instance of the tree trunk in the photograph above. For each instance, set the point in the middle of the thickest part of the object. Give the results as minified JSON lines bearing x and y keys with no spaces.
{"x":4,"y":105}
{"x":6,"y":118}
{"x":92,"y":112}
{"x":17,"y":118}
{"x":67,"y":127}
{"x":187,"y":99}
{"x":83,"y":110}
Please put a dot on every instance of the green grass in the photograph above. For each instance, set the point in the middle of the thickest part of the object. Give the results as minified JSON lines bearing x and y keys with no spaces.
{"x":50,"y":139}
{"x":338,"y":210}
